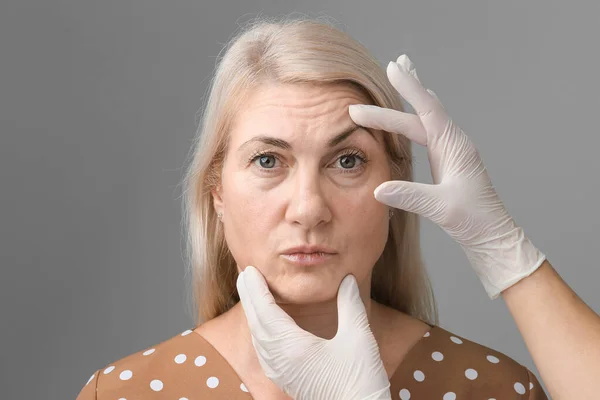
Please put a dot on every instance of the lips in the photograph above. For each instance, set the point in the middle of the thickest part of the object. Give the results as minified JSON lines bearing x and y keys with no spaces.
{"x":308,"y":259}
{"x":309,"y":249}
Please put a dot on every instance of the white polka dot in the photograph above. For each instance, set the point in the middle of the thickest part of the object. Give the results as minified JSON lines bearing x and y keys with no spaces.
{"x":156,"y":385}
{"x":212,"y":382}
{"x":491,"y":398}
{"x":471,"y":374}
{"x":148,"y":352}
{"x":519,"y":388}
{"x":419,"y":376}
{"x":456,"y":340}
{"x":122,"y":398}
{"x":186,"y":333}
{"x":437,"y":356}
{"x":180,"y":359}
{"x":243,"y":387}
{"x":404,"y":394}
{"x":91,"y":377}
{"x":426,"y":334}
{"x":200,"y":361}
{"x":183,"y":398}
{"x":109,"y":369}
{"x":530,"y":385}
{"x":493,"y":359}
{"x":450,"y":396}
{"x":125,"y":375}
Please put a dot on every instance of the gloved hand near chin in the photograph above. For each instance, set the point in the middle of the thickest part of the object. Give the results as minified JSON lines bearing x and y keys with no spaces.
{"x":305,"y":366}
{"x":462,"y":200}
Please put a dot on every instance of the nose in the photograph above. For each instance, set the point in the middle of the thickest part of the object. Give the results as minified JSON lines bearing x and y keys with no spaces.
{"x":308,"y":204}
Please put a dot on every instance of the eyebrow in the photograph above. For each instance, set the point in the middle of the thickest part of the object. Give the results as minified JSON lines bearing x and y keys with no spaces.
{"x":337,"y":139}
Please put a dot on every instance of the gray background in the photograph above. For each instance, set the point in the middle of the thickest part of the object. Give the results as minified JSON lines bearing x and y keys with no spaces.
{"x":97,"y":106}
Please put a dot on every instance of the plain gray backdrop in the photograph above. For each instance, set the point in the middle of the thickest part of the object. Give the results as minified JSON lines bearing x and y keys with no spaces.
{"x":98,"y":102}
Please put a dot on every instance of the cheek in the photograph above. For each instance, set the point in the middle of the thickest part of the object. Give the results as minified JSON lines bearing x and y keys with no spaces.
{"x":365,"y":227}
{"x":364,"y":216}
{"x":250,"y":219}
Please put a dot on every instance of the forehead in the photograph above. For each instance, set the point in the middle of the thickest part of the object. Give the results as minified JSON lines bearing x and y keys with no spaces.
{"x":299,"y":105}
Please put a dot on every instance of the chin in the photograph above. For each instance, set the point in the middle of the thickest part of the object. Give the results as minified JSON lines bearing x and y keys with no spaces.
{"x":306,"y":292}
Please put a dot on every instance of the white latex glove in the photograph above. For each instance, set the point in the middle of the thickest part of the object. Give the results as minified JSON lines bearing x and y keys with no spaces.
{"x":462,"y":200}
{"x":305,"y":366}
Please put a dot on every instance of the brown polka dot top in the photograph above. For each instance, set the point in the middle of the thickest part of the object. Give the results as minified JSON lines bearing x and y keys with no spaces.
{"x":440,"y":365}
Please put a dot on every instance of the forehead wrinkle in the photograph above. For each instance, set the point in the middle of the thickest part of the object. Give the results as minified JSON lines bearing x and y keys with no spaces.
{"x":334,"y":141}
{"x":307,"y":109}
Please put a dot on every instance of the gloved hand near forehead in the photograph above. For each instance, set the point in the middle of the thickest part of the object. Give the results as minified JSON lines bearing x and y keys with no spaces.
{"x":462,"y":199}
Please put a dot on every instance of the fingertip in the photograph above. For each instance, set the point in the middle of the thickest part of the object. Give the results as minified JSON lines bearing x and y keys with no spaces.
{"x":348,"y":281}
{"x":254,"y":280}
{"x":355,"y":111}
{"x":352,"y":110}
{"x":404,"y":62}
{"x":379,"y":190}
{"x":393,"y":67}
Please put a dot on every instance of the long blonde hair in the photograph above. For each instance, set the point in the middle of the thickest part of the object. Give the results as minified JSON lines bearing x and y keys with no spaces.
{"x":292,"y":50}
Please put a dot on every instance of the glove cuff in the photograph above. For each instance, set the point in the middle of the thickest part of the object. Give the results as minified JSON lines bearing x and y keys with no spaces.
{"x":503,"y":263}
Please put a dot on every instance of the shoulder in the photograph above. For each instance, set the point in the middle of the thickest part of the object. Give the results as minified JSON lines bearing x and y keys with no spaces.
{"x":445,"y":364}
{"x":183,"y":366}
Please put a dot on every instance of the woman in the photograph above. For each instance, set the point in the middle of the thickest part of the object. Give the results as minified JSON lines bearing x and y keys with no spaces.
{"x":333,"y":301}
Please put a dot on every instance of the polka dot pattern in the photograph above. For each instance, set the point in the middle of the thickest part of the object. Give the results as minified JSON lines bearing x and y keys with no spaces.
{"x":109,"y":369}
{"x":441,"y":365}
{"x":446,"y":366}
{"x":212,"y":382}
{"x":519,"y":388}
{"x":471,"y":374}
{"x":493,"y":359}
{"x":125,"y":375}
{"x":200,"y":361}
{"x":456,"y":340}
{"x":419,"y":376}
{"x":156,"y":385}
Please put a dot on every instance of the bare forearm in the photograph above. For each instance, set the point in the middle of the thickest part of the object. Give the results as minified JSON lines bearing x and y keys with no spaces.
{"x":561,"y":332}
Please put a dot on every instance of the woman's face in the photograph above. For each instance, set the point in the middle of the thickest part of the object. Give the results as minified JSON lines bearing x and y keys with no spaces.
{"x":285,"y":185}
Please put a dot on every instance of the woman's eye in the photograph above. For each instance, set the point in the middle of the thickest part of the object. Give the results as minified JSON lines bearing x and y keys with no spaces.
{"x":266,"y":161}
{"x":347,"y":162}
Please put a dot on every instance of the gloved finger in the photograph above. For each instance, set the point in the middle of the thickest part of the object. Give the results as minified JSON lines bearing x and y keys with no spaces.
{"x":389,"y":120}
{"x":415,"y":197}
{"x":408,"y":65}
{"x":351,"y":309}
{"x":247,"y":306}
{"x":428,"y":107}
{"x":264,"y":306}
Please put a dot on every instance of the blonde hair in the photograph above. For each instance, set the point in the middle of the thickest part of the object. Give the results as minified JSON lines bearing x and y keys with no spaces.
{"x":288,"y":51}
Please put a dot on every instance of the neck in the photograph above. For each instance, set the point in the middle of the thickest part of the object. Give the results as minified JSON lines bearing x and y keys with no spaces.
{"x":320,"y":319}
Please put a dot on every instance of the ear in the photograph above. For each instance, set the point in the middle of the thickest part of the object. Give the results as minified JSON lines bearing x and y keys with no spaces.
{"x":217,"y":199}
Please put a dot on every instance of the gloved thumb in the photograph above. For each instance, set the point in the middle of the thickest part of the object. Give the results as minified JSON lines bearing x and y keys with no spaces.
{"x":415,"y":197}
{"x":351,"y":309}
